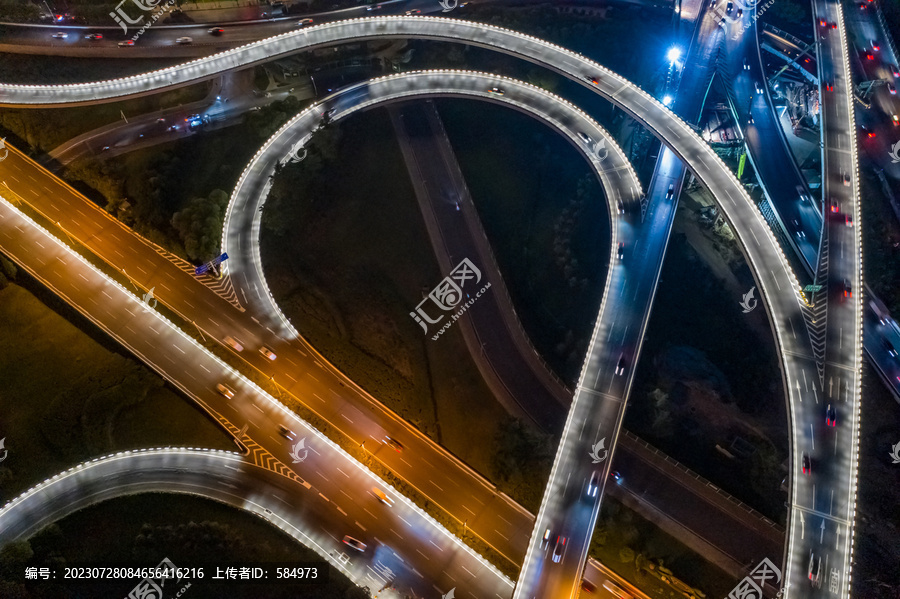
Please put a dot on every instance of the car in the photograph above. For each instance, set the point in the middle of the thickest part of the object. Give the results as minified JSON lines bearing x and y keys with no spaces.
{"x":895,"y":71}
{"x":889,"y":347}
{"x":172,"y":128}
{"x":593,"y":487}
{"x":804,"y":463}
{"x":758,"y":87}
{"x":869,"y":133}
{"x":671,"y":191}
{"x":746,"y":65}
{"x":829,"y":86}
{"x":413,"y":12}
{"x":620,"y":365}
{"x":215,"y":31}
{"x":226,"y":391}
{"x":845,"y":178}
{"x":559,"y":549}
{"x":729,"y":7}
{"x":60,"y":35}
{"x":835,"y":206}
{"x":740,"y":12}
{"x":616,"y":476}
{"x":593,"y":79}
{"x":620,"y":206}
{"x":830,"y":416}
{"x":750,"y":120}
{"x":615,"y":591}
{"x":354,"y":543}
{"x":587,"y":586}
{"x":834,"y":24}
{"x":797,"y":230}
{"x":869,"y":56}
{"x":104,"y":149}
{"x":585,"y":138}
{"x":862,"y":6}
{"x":621,"y":252}
{"x":304,"y":22}
{"x":496,"y":90}
{"x":126,"y":43}
{"x":848,"y":220}
{"x":815,"y":569}
{"x":286,"y":432}
{"x":847,"y":288}
{"x":712,"y":3}
{"x":545,"y":540}
{"x":382,"y":497}
{"x":892,"y":89}
{"x":823,"y":23}
{"x":874,"y":45}
{"x":394,"y":444}
{"x":94,"y":36}
{"x":184,"y":40}
{"x":371,"y":8}
{"x":268,"y":353}
{"x":895,"y":119}
{"x":233,"y":343}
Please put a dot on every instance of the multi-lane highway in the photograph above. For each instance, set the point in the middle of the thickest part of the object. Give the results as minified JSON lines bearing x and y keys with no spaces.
{"x":333,"y":488}
{"x":768,"y":264}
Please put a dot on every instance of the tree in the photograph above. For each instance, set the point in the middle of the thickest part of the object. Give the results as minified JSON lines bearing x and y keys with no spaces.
{"x":199,"y":225}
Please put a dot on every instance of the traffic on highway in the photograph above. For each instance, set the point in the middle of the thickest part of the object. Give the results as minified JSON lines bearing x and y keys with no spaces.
{"x":320,"y":456}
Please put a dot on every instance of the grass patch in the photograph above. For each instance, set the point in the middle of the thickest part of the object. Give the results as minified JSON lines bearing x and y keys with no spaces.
{"x":67,"y":398}
{"x":546,"y":217}
{"x":639,"y":552}
{"x":149,"y":527}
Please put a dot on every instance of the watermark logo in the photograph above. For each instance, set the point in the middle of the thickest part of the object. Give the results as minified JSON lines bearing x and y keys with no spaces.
{"x":148,"y":298}
{"x":450,"y":594}
{"x":749,"y":302}
{"x":5,"y":452}
{"x":5,"y":151}
{"x":596,"y":449}
{"x":152,"y":586}
{"x":296,"y":449}
{"x":733,"y":18}
{"x":120,"y":16}
{"x":895,"y":153}
{"x":751,"y":586}
{"x":447,"y":6}
{"x":895,"y":453}
{"x":449,"y":295}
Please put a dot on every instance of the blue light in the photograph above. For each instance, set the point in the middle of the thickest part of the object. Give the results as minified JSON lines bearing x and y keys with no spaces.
{"x":673,"y":54}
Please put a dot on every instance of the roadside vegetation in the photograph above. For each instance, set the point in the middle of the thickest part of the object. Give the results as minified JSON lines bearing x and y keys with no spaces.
{"x":546,"y":217}
{"x":655,"y":562}
{"x":68,"y":395}
{"x":707,"y":390}
{"x":38,"y":131}
{"x":147,"y":528}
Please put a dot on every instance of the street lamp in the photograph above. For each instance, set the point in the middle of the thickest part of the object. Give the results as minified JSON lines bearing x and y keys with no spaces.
{"x":673,"y":54}
{"x":667,"y":100}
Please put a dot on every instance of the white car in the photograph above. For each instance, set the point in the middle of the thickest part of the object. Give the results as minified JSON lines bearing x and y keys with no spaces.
{"x":184,"y":40}
{"x":382,"y":497}
{"x":267,"y":352}
{"x":593,"y":487}
{"x":60,"y":35}
{"x":226,"y":391}
{"x":233,"y":343}
{"x":304,"y":22}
